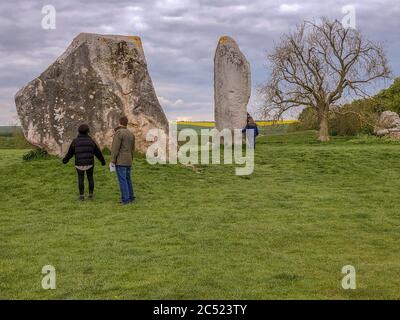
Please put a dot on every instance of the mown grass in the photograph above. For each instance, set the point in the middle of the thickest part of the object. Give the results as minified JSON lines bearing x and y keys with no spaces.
{"x":283,"y":233}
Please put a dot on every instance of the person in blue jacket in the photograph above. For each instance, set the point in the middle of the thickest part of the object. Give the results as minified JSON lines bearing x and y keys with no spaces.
{"x":251,"y":131}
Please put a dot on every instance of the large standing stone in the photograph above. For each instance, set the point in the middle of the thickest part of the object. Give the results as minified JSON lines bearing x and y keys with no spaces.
{"x":96,"y":80}
{"x":232,"y":85}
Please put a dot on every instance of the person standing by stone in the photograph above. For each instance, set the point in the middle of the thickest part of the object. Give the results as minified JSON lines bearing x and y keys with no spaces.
{"x":122,"y":150}
{"x":251,"y":131}
{"x":84,"y":148}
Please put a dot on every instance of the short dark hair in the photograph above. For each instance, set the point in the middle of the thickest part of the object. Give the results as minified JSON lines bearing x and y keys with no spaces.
{"x":83,"y":129}
{"x":123,"y":121}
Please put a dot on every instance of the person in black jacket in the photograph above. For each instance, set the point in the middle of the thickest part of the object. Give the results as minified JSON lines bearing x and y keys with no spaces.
{"x":84,"y":149}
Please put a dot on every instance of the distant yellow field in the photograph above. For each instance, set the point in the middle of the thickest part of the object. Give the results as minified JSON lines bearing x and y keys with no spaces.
{"x":197,"y":123}
{"x":212,"y":124}
{"x":271,"y":123}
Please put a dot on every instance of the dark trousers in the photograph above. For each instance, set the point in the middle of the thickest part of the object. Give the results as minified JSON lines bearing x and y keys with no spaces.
{"x":125,"y":183}
{"x":81,"y":179}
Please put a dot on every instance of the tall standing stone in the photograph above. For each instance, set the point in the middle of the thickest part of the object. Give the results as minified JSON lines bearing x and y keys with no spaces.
{"x":95,"y":81}
{"x":232,"y":85}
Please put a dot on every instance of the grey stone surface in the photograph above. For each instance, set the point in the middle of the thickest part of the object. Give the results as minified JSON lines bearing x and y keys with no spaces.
{"x":232,"y":85}
{"x":388,"y":120}
{"x":95,"y":81}
{"x":388,"y":125}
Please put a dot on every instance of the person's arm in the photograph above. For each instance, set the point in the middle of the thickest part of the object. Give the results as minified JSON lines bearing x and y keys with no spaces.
{"x":70,"y":153}
{"x":116,"y":146}
{"x":257,"y":132}
{"x":99,"y":154}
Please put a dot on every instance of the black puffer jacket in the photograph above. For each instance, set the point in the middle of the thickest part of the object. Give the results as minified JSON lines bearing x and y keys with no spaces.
{"x":84,"y":149}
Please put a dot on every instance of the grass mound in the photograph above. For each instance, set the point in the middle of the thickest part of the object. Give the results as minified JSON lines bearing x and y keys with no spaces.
{"x":35,"y":155}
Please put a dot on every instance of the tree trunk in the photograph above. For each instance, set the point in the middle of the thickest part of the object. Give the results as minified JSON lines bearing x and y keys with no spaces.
{"x":323,"y":127}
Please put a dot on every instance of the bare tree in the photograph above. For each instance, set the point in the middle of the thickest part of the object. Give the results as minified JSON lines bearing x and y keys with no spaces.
{"x":318,"y":66}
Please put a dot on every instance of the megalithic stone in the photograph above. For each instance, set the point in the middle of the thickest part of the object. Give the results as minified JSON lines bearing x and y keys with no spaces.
{"x":232,"y":85}
{"x":95,"y":81}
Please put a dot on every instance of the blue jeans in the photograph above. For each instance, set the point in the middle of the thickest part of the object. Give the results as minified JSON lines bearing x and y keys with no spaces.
{"x":125,"y":184}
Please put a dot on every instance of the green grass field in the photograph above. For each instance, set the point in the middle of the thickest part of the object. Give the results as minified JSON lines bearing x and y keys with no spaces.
{"x":284,"y":233}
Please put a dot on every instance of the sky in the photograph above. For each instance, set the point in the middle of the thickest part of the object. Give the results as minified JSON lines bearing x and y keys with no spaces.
{"x":179,"y":39}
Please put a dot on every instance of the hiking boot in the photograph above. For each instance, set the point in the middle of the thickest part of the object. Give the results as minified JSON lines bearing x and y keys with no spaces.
{"x":81,"y":198}
{"x":91,"y":196}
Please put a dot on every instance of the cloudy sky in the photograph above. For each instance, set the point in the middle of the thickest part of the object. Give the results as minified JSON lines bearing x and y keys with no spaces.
{"x":179,"y":37}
